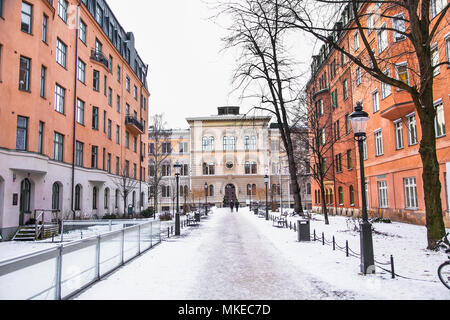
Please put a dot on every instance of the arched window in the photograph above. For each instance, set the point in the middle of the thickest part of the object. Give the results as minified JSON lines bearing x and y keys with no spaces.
{"x":341,"y":195}
{"x":208,"y":143}
{"x":78,"y":197}
{"x":253,"y":189}
{"x":55,"y":196}
{"x":250,"y":167}
{"x":94,"y":198}
{"x":211,"y":143}
{"x":352,"y":196}
{"x":331,"y":196}
{"x":249,"y":189}
{"x":117,"y":199}
{"x":208,"y":169}
{"x":211,"y":190}
{"x":106,"y":199}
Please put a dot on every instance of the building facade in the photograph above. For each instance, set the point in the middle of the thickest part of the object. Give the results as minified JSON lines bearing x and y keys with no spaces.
{"x":73,"y":111}
{"x":229,"y":154}
{"x":393,"y":166}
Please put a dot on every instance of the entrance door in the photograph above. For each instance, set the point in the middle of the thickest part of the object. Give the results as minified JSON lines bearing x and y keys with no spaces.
{"x":230,"y":194}
{"x":25,"y":197}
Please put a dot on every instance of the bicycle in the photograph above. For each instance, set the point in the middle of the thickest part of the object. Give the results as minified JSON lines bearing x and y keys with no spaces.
{"x":444,"y":269}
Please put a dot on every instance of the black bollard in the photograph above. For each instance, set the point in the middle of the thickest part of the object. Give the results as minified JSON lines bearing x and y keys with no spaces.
{"x":323,"y":239}
{"x":346,"y":247}
{"x":392,"y":267}
{"x":334,"y":244}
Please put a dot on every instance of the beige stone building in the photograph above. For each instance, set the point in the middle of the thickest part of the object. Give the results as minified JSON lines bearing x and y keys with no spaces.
{"x":229,"y":155}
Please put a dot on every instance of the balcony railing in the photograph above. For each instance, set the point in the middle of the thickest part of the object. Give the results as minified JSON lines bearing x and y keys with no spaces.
{"x":134,"y":125}
{"x":99,"y":57}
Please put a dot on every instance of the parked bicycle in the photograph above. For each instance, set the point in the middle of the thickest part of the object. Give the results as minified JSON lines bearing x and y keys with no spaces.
{"x":444,"y":269}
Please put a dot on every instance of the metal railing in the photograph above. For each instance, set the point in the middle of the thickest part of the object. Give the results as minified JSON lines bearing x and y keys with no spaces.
{"x":61,"y":272}
{"x":130,"y":120}
{"x":100,"y":57}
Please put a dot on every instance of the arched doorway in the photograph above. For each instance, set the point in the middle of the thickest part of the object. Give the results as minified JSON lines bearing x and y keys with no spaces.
{"x":25,"y":200}
{"x":230,"y":194}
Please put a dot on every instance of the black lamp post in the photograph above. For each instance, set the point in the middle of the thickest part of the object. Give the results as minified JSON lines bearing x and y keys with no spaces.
{"x":206,"y":198}
{"x":177,"y":168}
{"x":250,"y":192}
{"x":359,"y":120}
{"x":266,"y":182}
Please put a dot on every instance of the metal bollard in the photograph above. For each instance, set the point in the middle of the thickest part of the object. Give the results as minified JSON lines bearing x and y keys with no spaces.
{"x":346,"y":247}
{"x":168,"y":232}
{"x":314,"y":234}
{"x":392,"y":267}
{"x":334,"y":244}
{"x":323,"y":239}
{"x":295,"y":228}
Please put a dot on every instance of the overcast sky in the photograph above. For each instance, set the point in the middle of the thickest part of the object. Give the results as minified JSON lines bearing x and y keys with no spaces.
{"x":188,"y":75}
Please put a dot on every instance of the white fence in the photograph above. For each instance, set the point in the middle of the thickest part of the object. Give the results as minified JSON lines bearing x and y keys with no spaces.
{"x":63,"y":271}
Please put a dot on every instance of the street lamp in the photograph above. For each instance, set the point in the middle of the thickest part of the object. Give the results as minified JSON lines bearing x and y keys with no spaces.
{"x":359,"y":120}
{"x":177,"y":168}
{"x":206,"y":198}
{"x":266,"y":182}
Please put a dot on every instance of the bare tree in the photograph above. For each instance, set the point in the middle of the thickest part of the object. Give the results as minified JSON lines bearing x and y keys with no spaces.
{"x":126,"y":185}
{"x":159,"y":151}
{"x":419,"y":27}
{"x":258,"y":30}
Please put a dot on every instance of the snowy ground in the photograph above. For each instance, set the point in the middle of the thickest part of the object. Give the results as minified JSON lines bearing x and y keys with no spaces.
{"x":241,"y":256}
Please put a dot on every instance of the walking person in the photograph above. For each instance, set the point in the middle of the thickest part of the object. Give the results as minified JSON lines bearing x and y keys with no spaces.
{"x":231,"y":205}
{"x":237,"y":205}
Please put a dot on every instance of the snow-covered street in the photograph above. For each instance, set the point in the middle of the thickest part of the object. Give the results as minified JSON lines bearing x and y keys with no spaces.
{"x":226,"y":257}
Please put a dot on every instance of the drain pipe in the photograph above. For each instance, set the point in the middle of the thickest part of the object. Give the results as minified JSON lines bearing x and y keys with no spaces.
{"x":75,"y":113}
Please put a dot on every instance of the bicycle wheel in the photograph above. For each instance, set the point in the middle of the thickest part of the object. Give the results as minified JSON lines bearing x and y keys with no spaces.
{"x":444,"y":274}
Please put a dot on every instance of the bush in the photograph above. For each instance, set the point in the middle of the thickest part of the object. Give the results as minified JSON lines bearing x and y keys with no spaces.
{"x":109,"y":216}
{"x":381,"y":220}
{"x":166,"y":216}
{"x":147,"y":213}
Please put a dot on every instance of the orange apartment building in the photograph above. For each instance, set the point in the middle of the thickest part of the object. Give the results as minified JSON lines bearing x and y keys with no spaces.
{"x":391,"y":159}
{"x":73,"y":111}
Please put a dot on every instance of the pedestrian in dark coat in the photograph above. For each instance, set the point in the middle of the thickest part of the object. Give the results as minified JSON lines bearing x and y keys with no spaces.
{"x":237,"y":205}
{"x":232,"y":205}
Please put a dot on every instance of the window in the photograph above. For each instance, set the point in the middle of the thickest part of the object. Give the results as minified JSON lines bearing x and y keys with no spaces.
{"x":355,"y":41}
{"x":435,"y":60}
{"x":117,"y":134}
{"x":165,"y":191}
{"x":99,"y":15}
{"x":79,"y":151}
{"x":382,"y":194}
{"x":385,"y":88}
{"x":365,"y":154}
{"x":135,"y":92}
{"x":402,"y":72}
{"x":347,"y":123}
{"x":184,"y":170}
{"x":341,"y":196}
{"x":44,"y":28}
{"x":106,"y":199}
{"x":98,"y":46}
{"x":250,"y":167}
{"x":58,"y":147}
{"x":110,"y":63}
{"x":81,"y":71}
{"x":116,"y":205}
{"x":55,"y":196}
{"x":43,"y":77}
{"x":447,"y":48}
{"x":94,"y":198}
{"x":94,"y":157}
{"x":322,"y":137}
{"x":382,"y":39}
{"x":105,"y":79}
{"x":439,"y":120}
{"x":78,"y":197}
{"x":378,"y":143}
{"x":229,"y":143}
{"x":337,"y":130}
{"x":1,"y":8}
{"x":412,"y":129}
{"x":334,"y":101}
{"x":250,"y":143}
{"x":349,"y":160}
{"x":127,"y":140}
{"x":95,"y":118}
{"x":375,"y":101}
{"x":436,"y":6}
{"x":96,"y":80}
{"x":41,"y":137}
{"x":80,"y":111}
{"x":208,"y":168}
{"x":117,"y":165}
{"x":134,"y":144}
{"x":398,"y":23}
{"x":127,"y":83}
{"x":61,"y":50}
{"x":165,"y":170}
{"x":127,"y":109}
{"x":370,"y":23}
{"x":410,"y":193}
{"x":166,"y":148}
{"x":345,"y":89}
{"x":62,"y":9}
{"x":134,"y":171}
{"x":27,"y":18}
{"x":118,"y":73}
{"x":183,"y":147}
{"x":22,"y":133}
{"x":352,"y":195}
{"x":398,"y":125}
{"x":60,"y":94}
{"x":358,"y":76}
{"x":24,"y":74}
{"x":338,"y":163}
{"x":108,"y":163}
{"x":109,"y":96}
{"x":82,"y":31}
{"x":127,"y":168}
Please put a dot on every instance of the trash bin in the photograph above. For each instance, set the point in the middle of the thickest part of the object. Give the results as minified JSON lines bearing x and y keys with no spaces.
{"x":130,"y":210}
{"x":303,"y":230}
{"x":197,"y":216}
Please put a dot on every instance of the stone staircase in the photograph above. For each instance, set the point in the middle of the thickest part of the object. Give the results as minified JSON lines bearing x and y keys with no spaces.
{"x":28,"y":233}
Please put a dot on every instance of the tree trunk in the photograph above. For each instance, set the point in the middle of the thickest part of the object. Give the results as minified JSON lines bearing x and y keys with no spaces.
{"x":324,"y":204}
{"x":431,"y":183}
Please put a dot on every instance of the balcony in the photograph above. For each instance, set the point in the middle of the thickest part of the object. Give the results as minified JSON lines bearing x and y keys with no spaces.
{"x":99,"y":57}
{"x":134,"y":126}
